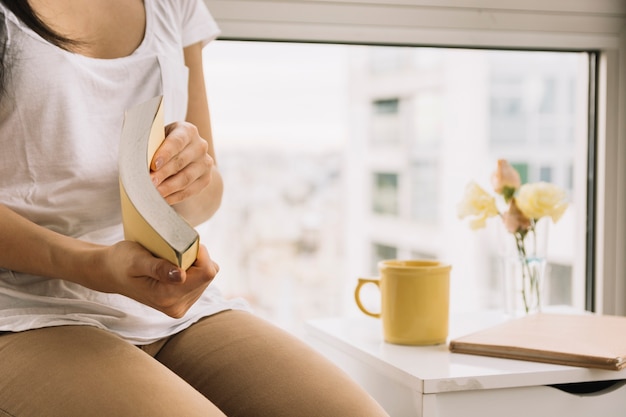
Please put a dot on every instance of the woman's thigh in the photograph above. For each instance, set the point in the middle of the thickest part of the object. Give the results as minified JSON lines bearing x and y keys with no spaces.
{"x":81,"y":371}
{"x":248,"y":367}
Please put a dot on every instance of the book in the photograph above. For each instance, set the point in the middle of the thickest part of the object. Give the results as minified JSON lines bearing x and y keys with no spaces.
{"x":584,"y":340}
{"x":147,"y":218}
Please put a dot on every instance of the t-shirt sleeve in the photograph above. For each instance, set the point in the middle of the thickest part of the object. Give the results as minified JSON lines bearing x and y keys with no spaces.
{"x":198,"y":23}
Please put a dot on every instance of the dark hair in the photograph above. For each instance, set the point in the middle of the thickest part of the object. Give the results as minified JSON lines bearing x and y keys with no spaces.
{"x":24,"y":12}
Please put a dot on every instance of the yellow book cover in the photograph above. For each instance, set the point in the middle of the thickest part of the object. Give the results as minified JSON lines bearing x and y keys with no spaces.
{"x":585,"y":340}
{"x":148,"y":219}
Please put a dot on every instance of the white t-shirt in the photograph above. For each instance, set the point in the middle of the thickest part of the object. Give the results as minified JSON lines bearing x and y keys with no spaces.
{"x":60,"y":124}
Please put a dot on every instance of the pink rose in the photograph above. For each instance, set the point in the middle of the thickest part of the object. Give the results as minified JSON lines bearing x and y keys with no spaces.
{"x":514,"y":220}
{"x":505,"y":179}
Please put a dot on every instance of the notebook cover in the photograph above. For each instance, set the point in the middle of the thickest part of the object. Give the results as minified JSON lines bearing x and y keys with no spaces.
{"x":585,"y":340}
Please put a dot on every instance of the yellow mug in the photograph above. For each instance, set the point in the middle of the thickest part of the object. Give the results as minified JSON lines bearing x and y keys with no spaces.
{"x":415,"y":298}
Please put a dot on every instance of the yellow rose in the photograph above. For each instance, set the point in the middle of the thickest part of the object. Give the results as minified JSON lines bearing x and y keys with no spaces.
{"x":541,"y":199}
{"x":477,"y":203}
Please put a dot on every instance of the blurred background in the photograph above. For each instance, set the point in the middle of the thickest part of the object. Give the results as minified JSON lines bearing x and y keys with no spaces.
{"x":337,"y":156}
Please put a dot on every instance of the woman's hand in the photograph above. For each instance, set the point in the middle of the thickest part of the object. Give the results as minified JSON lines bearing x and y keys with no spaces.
{"x":182,"y":167}
{"x":132,"y":271}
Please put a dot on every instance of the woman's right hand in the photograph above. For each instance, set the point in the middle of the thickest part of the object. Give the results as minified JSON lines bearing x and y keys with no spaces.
{"x":131,"y":270}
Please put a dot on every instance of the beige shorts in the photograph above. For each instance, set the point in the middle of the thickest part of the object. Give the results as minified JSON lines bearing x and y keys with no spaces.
{"x":232,"y":364}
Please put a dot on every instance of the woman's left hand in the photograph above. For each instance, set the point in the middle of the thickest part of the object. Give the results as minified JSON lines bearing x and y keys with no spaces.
{"x":181,"y":167}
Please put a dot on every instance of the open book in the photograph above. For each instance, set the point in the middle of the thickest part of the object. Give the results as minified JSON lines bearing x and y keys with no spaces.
{"x":586,"y":340}
{"x":148,"y":219}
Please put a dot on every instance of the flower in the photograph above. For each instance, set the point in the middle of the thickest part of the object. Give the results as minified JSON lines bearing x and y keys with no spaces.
{"x":526,"y":204}
{"x":505,"y":179}
{"x":478,"y":204}
{"x":541,"y":200}
{"x":514,"y":220}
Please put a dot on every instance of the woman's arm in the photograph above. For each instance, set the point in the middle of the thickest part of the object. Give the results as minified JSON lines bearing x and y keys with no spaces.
{"x":184,"y":167}
{"x":124,"y":268}
{"x":29,"y":248}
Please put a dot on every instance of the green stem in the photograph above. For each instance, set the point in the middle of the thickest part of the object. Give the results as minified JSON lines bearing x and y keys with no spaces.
{"x":529,"y":274}
{"x":519,"y":241}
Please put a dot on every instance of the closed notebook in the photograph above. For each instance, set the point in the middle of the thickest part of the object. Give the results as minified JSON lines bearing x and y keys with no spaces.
{"x":586,"y":340}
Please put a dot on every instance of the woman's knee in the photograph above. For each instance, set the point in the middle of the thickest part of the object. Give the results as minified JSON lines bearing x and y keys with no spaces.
{"x":249,"y":367}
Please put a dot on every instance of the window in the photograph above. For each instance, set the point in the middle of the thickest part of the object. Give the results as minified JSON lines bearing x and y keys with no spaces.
{"x":385,"y":120}
{"x":288,"y":219}
{"x":545,"y":173}
{"x":379,"y":253}
{"x":389,"y":106}
{"x":385,"y":193}
{"x":522,"y":168}
{"x":597,"y":26}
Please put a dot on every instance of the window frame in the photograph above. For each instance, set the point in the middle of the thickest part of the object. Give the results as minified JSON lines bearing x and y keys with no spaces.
{"x":595,"y":26}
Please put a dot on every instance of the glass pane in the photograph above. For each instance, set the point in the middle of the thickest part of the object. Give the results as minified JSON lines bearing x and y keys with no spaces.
{"x":389,"y":106}
{"x":385,"y":122}
{"x":385,"y":193}
{"x":336,"y":156}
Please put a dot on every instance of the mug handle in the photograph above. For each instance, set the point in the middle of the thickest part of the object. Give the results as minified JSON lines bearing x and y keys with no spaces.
{"x":357,"y":295}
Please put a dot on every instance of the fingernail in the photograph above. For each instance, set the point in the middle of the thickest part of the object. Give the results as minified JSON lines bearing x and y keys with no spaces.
{"x":155,"y":180}
{"x":174,"y":275}
{"x":158,"y":163}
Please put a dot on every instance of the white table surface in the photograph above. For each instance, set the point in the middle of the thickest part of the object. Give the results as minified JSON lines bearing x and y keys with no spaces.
{"x":434,"y":369}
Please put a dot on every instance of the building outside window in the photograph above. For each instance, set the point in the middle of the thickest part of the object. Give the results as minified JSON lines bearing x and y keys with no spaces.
{"x":385,"y":122}
{"x":385,"y":193}
{"x":330,"y":166}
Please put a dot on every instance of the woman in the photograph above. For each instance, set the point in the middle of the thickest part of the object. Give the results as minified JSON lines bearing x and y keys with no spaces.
{"x":93,"y":325}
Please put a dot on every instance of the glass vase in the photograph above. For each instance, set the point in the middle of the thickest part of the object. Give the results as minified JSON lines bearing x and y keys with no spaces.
{"x":524,"y":269}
